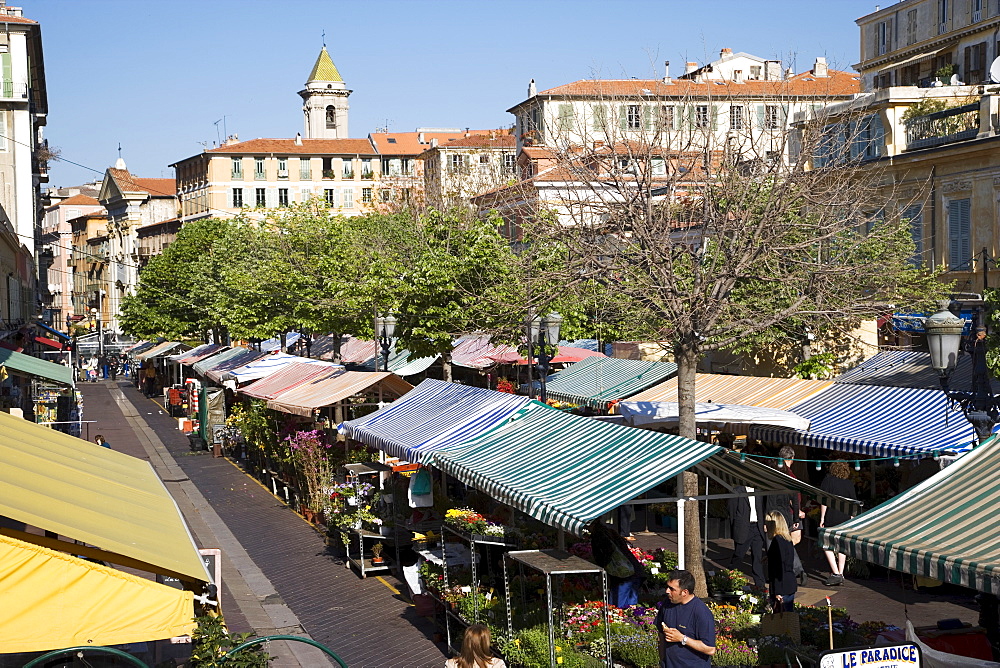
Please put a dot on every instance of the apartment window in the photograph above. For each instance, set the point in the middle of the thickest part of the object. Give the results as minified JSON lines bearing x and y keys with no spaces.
{"x":348,"y":169}
{"x":237,"y":168}
{"x":348,"y":198}
{"x":509,"y":162}
{"x":305,"y":169}
{"x":977,"y":10}
{"x":407,"y":166}
{"x":772,"y":115}
{"x":260,"y":195}
{"x":328,"y":168}
{"x":282,"y":196}
{"x":306,"y":194}
{"x":258,"y":169}
{"x":484,"y":159}
{"x":457,"y":162}
{"x":659,"y":167}
{"x":330,"y":195}
{"x":282,"y":168}
{"x":366,"y":195}
{"x":959,"y":234}
{"x":633,"y":117}
{"x":942,"y":16}
{"x":666,"y":119}
{"x":701,"y":116}
{"x":385,"y":194}
{"x":386,"y":163}
{"x":975,"y":63}
{"x":911,"y":27}
{"x":736,"y":117}
{"x":600,"y":117}
{"x":883,"y":36}
{"x":914,"y":216}
{"x":565,"y":117}
{"x":237,"y":198}
{"x":755,"y":72}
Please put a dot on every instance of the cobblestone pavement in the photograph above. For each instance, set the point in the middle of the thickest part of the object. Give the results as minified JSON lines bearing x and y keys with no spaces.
{"x":365,"y":621}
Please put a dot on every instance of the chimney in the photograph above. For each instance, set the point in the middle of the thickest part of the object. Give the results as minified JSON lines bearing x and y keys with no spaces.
{"x":690,"y":67}
{"x":298,"y":139}
{"x":531,"y":89}
{"x":772,"y":70}
{"x":725,"y":52}
{"x":467,"y":132}
{"x":434,"y":142}
{"x":666,"y":71}
{"x":819,"y":67}
{"x":789,"y":73}
{"x":420,"y":137}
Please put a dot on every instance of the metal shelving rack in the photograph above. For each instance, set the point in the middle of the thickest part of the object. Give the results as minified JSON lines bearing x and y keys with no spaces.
{"x":363,"y":561}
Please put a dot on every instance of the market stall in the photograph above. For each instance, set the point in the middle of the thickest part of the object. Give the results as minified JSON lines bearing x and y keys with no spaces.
{"x":596,"y":382}
{"x":331,"y":392}
{"x":286,"y":378}
{"x":37,"y":387}
{"x":267,"y":365}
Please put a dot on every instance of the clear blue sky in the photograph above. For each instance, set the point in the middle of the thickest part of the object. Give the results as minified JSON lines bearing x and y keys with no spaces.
{"x":155,"y":75}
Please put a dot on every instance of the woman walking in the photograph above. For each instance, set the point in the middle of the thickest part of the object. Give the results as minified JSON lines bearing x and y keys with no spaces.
{"x":780,"y":563}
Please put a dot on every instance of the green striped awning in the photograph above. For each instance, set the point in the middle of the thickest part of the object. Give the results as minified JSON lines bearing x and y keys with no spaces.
{"x":597,"y":381}
{"x":566,"y":470}
{"x":15,"y":362}
{"x":946,"y":527}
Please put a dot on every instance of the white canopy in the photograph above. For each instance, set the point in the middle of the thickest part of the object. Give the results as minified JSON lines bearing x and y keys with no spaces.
{"x":648,"y":412}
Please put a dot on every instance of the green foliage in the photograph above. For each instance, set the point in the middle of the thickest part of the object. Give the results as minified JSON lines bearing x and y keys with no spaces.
{"x":211,"y":640}
{"x":925,"y":106}
{"x":817,"y":367}
{"x":634,"y":646}
{"x":530,"y":648}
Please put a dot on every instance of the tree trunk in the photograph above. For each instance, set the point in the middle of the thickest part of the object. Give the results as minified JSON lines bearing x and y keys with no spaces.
{"x":686,"y":358}
{"x":337,"y":338}
{"x":446,"y":368}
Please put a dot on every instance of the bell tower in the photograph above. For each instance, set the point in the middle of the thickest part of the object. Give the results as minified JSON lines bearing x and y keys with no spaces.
{"x":324,"y":101}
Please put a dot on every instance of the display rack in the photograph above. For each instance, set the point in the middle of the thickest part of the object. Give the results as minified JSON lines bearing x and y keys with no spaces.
{"x":363,"y":561}
{"x":441,"y":558}
{"x":549,"y":563}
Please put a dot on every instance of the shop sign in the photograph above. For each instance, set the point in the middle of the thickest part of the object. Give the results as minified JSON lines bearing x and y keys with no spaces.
{"x":905,"y":655}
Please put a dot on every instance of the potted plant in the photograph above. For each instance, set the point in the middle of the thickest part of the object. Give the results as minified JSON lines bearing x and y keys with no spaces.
{"x":377,"y":553}
{"x":944,"y":73}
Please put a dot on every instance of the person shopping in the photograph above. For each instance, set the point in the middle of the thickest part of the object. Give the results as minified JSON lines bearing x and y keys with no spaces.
{"x":838,"y":481}
{"x":780,"y":563}
{"x":475,"y":651}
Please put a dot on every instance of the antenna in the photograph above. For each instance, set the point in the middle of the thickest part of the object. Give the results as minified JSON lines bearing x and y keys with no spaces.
{"x":324,"y":38}
{"x":995,"y":70}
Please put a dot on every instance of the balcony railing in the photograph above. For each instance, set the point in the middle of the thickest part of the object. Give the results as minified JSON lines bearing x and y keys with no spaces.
{"x":16,"y":91}
{"x":943,"y":127}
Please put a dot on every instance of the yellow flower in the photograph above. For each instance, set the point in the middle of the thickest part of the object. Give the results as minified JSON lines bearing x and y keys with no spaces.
{"x":558,"y":649}
{"x":559,"y":659}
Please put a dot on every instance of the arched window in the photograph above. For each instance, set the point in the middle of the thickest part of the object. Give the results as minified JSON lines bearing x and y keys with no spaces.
{"x":331,"y":117}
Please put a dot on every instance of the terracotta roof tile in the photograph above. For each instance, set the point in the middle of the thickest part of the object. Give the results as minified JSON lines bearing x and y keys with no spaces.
{"x":484,"y":141}
{"x":77,"y":200}
{"x":837,"y":84}
{"x":7,"y":18}
{"x":135,"y":184}
{"x":289,"y":147}
{"x":408,"y":143}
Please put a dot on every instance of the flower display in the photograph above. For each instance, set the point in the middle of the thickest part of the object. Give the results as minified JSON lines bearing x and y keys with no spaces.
{"x":469,"y":521}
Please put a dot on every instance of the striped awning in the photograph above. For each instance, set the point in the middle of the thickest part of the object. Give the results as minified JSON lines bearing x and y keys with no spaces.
{"x":946,"y":527}
{"x":597,"y":381}
{"x":476,"y":352}
{"x":435,"y":415}
{"x":271,"y":345}
{"x":267,"y":365}
{"x":878,"y":422}
{"x":160,"y":350}
{"x":291,"y":376}
{"x":145,"y":345}
{"x":780,"y":393}
{"x":566,"y":470}
{"x":735,"y":418}
{"x":220,"y":369}
{"x":207,"y":362}
{"x":357,"y":351}
{"x":905,"y":368}
{"x":321,"y":392}
{"x":198,"y":353}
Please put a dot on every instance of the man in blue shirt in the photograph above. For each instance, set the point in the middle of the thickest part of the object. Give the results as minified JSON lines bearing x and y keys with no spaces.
{"x":685,"y":625}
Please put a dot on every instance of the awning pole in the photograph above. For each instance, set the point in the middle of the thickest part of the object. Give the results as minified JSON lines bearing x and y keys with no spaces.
{"x":680,"y":522}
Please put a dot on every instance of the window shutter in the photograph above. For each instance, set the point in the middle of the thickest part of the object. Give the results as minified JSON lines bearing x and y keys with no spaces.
{"x":600,"y":117}
{"x":647,"y":117}
{"x":916,"y":222}
{"x":565,"y":117}
{"x":623,"y":117}
{"x":8,"y":77}
{"x":959,"y":234}
{"x":713,"y":116}
{"x":761,"y":115}
{"x":968,"y":62}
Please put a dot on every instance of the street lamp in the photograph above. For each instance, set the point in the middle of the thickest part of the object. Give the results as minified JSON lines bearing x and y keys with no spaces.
{"x":100,"y":336}
{"x":944,"y":339}
{"x":385,"y":328}
{"x":543,"y":331}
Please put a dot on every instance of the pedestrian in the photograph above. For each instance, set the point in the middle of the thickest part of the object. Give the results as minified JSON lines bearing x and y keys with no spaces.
{"x":625,"y":571}
{"x":105,"y":367}
{"x":837,"y":481}
{"x":787,"y":454}
{"x":626,"y":515}
{"x":99,"y":440}
{"x":149,"y":378}
{"x":685,"y":627}
{"x":92,"y":369}
{"x":746,"y":515}
{"x":475,"y":650}
{"x":780,"y":564}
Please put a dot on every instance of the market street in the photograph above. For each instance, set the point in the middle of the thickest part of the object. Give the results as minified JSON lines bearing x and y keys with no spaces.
{"x":277,"y":575}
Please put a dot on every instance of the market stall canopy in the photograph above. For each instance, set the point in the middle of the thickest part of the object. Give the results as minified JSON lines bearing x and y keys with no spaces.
{"x":161,"y":350}
{"x":269,"y":364}
{"x":780,"y":393}
{"x":566,"y":470}
{"x":904,"y":368}
{"x":357,"y":351}
{"x":435,"y":415}
{"x":878,"y":422}
{"x":319,"y":393}
{"x":129,"y":349}
{"x":52,"y":330}
{"x":291,"y":376}
{"x":100,"y":497}
{"x":401,"y":364}
{"x":640,"y":413}
{"x":19,"y":363}
{"x":476,"y":352}
{"x":217,"y":371}
{"x":54,"y":600}
{"x":196,"y":354}
{"x":323,"y":347}
{"x":564,"y":355}
{"x":598,"y":381}
{"x":946,"y":527}
{"x":134,"y":350}
{"x":46,"y":341}
{"x":271,"y":345}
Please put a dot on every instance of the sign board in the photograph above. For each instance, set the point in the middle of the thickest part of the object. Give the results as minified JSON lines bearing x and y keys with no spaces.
{"x":904,"y":655}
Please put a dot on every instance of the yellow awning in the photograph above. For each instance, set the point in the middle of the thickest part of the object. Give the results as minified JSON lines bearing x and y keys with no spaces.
{"x":780,"y":393}
{"x":92,"y":494}
{"x":53,"y":600}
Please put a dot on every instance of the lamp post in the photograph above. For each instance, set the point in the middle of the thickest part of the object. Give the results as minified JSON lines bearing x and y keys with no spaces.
{"x":385,"y":328}
{"x":543,"y":332}
{"x":100,"y":336}
{"x":944,"y":339}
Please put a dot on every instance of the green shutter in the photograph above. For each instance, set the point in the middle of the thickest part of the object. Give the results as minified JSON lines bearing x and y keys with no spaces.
{"x":8,"y":77}
{"x":959,"y":234}
{"x":623,"y":117}
{"x":713,"y":116}
{"x":762,"y":116}
{"x":565,"y":117}
{"x":600,"y":117}
{"x":647,"y":117}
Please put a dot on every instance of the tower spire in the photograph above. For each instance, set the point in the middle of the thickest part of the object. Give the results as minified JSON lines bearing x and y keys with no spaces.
{"x":325,"y":99}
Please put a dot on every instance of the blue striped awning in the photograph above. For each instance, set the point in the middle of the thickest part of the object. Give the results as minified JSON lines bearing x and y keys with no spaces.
{"x":206,"y":363}
{"x":909,"y":368}
{"x":565,"y":470}
{"x":434,"y":415}
{"x":877,"y":421}
{"x":267,"y":365}
{"x":597,"y":381}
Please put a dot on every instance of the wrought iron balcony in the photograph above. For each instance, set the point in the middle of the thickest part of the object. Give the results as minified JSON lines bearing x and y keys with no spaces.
{"x":943,"y":127}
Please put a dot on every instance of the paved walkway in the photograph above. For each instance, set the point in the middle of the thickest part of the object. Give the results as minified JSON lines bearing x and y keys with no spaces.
{"x":277,"y":574}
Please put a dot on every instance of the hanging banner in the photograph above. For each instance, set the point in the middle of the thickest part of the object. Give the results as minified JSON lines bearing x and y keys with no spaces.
{"x":904,"y":655}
